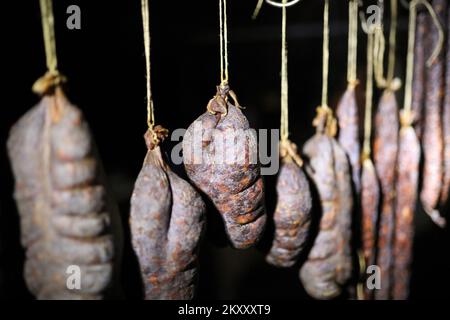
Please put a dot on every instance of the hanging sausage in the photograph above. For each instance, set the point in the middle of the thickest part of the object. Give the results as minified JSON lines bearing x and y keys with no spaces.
{"x":347,"y":109}
{"x":328,"y":266}
{"x":370,"y":188}
{"x":446,"y":123}
{"x":407,"y":177}
{"x":166,"y":214}
{"x":418,"y":92}
{"x":69,"y":225}
{"x":385,"y":154}
{"x":293,"y":211}
{"x":167,"y":220}
{"x":432,"y":137}
{"x":406,"y":188}
{"x":220,"y":157}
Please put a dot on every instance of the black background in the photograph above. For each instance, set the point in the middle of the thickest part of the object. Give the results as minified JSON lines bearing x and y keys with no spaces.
{"x":105,"y":66}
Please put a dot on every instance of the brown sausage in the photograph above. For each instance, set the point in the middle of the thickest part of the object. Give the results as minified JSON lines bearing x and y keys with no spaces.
{"x":167,"y":221}
{"x":370,"y":198}
{"x":432,"y":138}
{"x":406,"y":190}
{"x":233,"y":182}
{"x":328,"y":266}
{"x":347,"y":114}
{"x":344,"y":217}
{"x":292,"y":215}
{"x":318,"y":273}
{"x":66,"y":218}
{"x":385,"y":156}
{"x":446,"y":124}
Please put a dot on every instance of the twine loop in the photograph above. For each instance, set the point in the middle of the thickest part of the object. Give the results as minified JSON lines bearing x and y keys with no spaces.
{"x":48,"y":82}
{"x":154,"y":136}
{"x":289,"y":153}
{"x":325,"y":122}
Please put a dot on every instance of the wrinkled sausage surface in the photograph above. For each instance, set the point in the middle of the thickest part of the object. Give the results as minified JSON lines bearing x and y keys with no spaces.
{"x":292,"y":215}
{"x":220,"y":157}
{"x":328,"y":266}
{"x":66,"y":219}
{"x":167,"y":222}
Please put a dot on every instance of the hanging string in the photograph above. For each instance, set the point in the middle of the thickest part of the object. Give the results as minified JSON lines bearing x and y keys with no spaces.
{"x":49,"y":35}
{"x":284,"y":126}
{"x":362,"y":274}
{"x":257,"y":9}
{"x":146,"y":29}
{"x":325,"y":122}
{"x":325,"y":56}
{"x":52,"y":77}
{"x":388,"y":82}
{"x":392,"y":42}
{"x":223,"y":42}
{"x":225,"y":33}
{"x":378,"y":61}
{"x":410,"y":58}
{"x":288,"y":150}
{"x":369,"y":95}
{"x":406,"y":116}
{"x":156,"y":134}
{"x":352,"y":43}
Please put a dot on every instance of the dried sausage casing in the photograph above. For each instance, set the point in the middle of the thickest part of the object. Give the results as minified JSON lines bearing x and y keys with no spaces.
{"x":167,"y":222}
{"x":220,"y":157}
{"x":66,"y":216}
{"x":292,"y":215}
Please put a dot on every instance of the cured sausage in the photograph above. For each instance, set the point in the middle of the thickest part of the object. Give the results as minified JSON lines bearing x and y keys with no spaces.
{"x":220,"y":157}
{"x":328,"y":266}
{"x":446,"y":124}
{"x":68,"y":223}
{"x":370,"y":198}
{"x":432,"y":138}
{"x":292,"y":214}
{"x":406,"y":190}
{"x":167,"y":222}
{"x":385,"y":156}
{"x":344,"y":217}
{"x":347,"y":114}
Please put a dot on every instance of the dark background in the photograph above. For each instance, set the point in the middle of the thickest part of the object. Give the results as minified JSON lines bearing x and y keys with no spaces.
{"x":105,"y":66}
